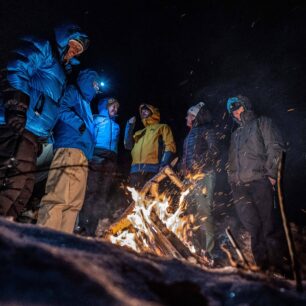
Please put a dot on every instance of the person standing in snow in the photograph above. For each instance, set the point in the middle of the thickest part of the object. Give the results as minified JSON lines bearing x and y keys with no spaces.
{"x":151,"y":147}
{"x":255,"y":151}
{"x":200,"y":155}
{"x":32,"y":85}
{"x":102,"y":167}
{"x":74,"y":145}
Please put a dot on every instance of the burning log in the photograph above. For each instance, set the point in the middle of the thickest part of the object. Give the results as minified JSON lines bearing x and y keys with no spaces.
{"x":153,"y":183}
{"x":175,"y":242}
{"x":152,"y":226}
{"x":152,"y":186}
{"x":165,"y":246}
{"x":180,"y":247}
{"x":122,"y":223}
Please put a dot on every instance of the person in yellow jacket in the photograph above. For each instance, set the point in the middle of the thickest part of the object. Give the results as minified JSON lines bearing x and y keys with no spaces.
{"x":151,"y":148}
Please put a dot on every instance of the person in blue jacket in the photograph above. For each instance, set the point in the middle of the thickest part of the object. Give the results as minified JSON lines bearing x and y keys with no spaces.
{"x":102,"y":166}
{"x":32,"y":85}
{"x":74,"y":144}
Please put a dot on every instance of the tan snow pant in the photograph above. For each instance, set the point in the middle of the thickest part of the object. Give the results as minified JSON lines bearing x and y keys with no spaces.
{"x":65,"y":190}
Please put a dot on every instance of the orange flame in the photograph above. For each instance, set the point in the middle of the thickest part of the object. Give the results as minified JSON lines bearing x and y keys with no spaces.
{"x":139,"y":236}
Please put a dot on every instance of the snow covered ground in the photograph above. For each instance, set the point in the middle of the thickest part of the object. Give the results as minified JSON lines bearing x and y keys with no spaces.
{"x":45,"y":267}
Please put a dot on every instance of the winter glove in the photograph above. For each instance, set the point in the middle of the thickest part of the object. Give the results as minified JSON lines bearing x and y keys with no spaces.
{"x":128,"y":133}
{"x":132,"y":120}
{"x":82,"y":128}
{"x":165,"y":159}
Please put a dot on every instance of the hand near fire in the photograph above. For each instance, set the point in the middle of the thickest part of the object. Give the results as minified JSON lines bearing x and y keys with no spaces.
{"x":132,"y":120}
{"x":272,"y":180}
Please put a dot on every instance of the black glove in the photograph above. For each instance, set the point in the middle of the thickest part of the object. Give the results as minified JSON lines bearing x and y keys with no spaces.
{"x":82,"y":128}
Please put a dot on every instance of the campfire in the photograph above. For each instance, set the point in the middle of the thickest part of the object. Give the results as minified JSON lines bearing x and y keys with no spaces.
{"x":154,"y":224}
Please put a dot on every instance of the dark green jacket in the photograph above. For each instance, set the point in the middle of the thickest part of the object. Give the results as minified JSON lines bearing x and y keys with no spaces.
{"x":255,"y":150}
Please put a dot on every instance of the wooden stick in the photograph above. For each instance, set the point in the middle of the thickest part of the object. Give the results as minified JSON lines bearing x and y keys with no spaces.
{"x":294,"y":261}
{"x":240,"y":254}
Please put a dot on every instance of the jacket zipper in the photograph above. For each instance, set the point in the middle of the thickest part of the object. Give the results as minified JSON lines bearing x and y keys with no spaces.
{"x":142,"y":145}
{"x":238,"y":161}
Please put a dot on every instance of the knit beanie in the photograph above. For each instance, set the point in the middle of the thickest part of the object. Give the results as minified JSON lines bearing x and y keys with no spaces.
{"x":195,"y":108}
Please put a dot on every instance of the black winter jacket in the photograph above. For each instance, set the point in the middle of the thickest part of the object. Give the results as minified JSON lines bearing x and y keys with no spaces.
{"x":200,"y":153}
{"x":255,"y":150}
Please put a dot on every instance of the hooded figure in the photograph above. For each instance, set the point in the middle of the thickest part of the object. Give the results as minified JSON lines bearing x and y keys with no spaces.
{"x":106,"y":128}
{"x":255,"y":151}
{"x":74,"y":145}
{"x":152,"y":147}
{"x":32,"y":84}
{"x":256,"y":145}
{"x":102,"y":168}
{"x":64,"y":35}
{"x":200,"y":155}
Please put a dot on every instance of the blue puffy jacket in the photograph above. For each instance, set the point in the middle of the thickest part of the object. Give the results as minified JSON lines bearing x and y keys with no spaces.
{"x":2,"y":120}
{"x":75,"y":111}
{"x":37,"y":71}
{"x":107,"y":129}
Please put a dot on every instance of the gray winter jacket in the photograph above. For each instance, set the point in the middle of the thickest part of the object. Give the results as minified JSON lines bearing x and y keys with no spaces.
{"x":255,"y":150}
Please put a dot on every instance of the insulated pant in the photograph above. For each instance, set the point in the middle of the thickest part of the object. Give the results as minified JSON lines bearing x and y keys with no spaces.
{"x":65,"y":190}
{"x":254,"y":206}
{"x":96,"y":205}
{"x":17,"y":181}
{"x":200,"y":203}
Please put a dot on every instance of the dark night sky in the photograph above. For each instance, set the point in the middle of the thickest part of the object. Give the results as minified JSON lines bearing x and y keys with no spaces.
{"x":173,"y":55}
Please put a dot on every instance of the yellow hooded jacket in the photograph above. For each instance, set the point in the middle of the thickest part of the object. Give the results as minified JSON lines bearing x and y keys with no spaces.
{"x":148,"y":141}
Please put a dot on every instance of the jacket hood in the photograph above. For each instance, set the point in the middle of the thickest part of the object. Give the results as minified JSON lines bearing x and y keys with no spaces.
{"x":152,"y":119}
{"x":102,"y":108}
{"x":85,"y":83}
{"x":244,"y":101}
{"x":248,"y":113}
{"x":64,"y":33}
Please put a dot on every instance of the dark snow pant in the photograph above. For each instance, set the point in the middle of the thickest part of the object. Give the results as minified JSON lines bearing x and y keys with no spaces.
{"x":200,"y":204}
{"x":100,"y":179}
{"x":254,"y":206}
{"x":138,"y":179}
{"x":17,"y":181}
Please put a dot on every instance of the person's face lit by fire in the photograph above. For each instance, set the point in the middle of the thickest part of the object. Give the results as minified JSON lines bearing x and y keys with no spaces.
{"x":96,"y":86}
{"x":113,"y":109}
{"x":145,"y":113}
{"x":189,"y":119}
{"x":74,"y":48}
{"x":237,"y":113}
